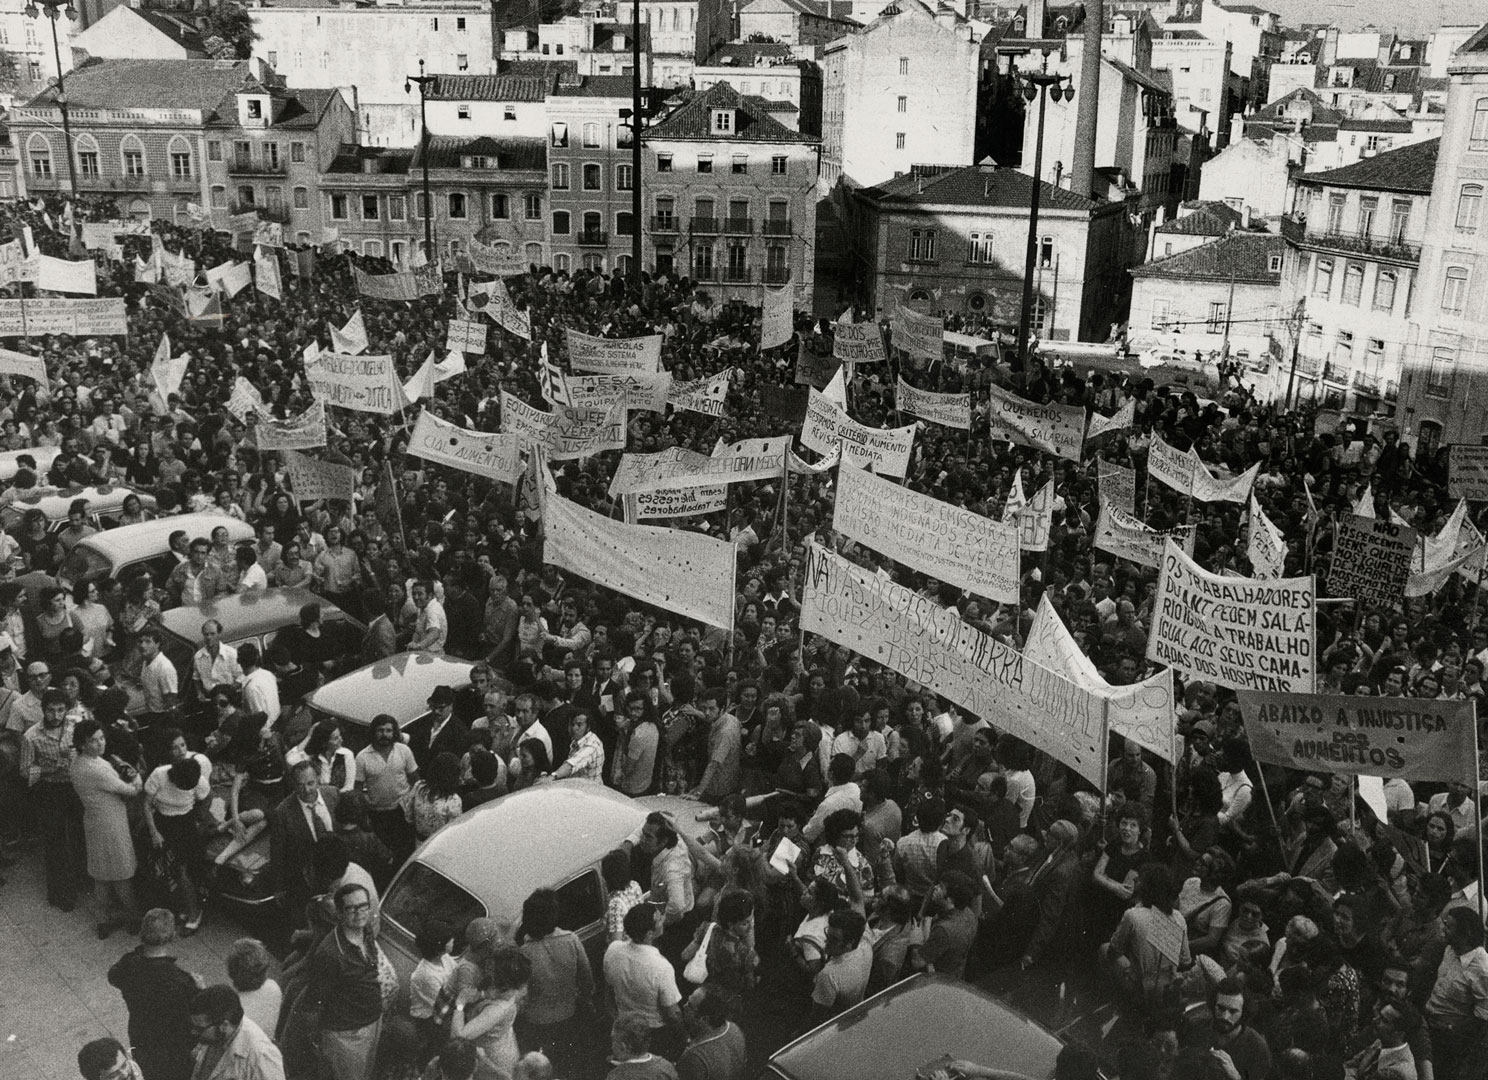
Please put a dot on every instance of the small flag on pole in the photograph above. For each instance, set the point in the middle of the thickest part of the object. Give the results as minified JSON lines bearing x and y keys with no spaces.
{"x":553,"y":382}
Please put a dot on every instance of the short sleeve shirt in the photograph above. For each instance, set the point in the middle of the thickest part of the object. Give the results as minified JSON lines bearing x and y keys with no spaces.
{"x":843,"y":980}
{"x":158,"y":679}
{"x":386,"y":779}
{"x":642,"y":981}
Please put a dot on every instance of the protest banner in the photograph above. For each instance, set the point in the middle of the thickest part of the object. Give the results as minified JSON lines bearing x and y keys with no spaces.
{"x":498,"y":457}
{"x":60,"y":275}
{"x":1035,"y":518}
{"x":179,"y":269}
{"x":1372,"y":560}
{"x":495,"y":300}
{"x":911,"y":634}
{"x":1467,"y":471}
{"x":16,"y":266}
{"x":266,"y":277}
{"x":959,"y":547}
{"x":1142,"y":712}
{"x":1117,"y":485}
{"x":24,"y":364}
{"x":100,"y":234}
{"x":777,"y":317}
{"x":465,"y":336}
{"x":827,"y":427}
{"x":80,"y":318}
{"x":1100,"y":426}
{"x":950,"y":410}
{"x":1244,"y":633}
{"x":1409,"y":738}
{"x":813,"y":369}
{"x":312,"y":479}
{"x":1209,"y":488}
{"x":704,"y":396}
{"x":918,"y":335}
{"x":675,"y":467}
{"x":1456,"y":549}
{"x":565,"y":432}
{"x":246,"y":222}
{"x":268,"y":234}
{"x":614,"y":356}
{"x":685,"y":572}
{"x":361,"y":383}
{"x":1170,"y":466}
{"x":1127,"y":537}
{"x":676,"y":502}
{"x":1264,"y":544}
{"x":502,"y":260}
{"x":244,"y":401}
{"x":858,"y":343}
{"x":303,"y":432}
{"x":645,"y":393}
{"x":408,"y":285}
{"x":1057,"y":429}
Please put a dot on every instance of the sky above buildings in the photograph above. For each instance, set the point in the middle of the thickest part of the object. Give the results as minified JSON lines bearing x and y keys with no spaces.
{"x":1416,"y":19}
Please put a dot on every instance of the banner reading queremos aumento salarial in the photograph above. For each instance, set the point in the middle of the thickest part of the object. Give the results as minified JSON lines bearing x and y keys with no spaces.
{"x":1412,"y":738}
{"x":1052,"y":427}
{"x":921,"y":640}
{"x":1245,"y":633}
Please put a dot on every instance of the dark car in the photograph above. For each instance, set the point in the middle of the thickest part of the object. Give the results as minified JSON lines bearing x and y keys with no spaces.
{"x":915,"y":1027}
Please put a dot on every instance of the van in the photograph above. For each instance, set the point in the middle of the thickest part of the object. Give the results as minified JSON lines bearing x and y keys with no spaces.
{"x":145,"y":546}
{"x":44,"y":455}
{"x":105,"y":504}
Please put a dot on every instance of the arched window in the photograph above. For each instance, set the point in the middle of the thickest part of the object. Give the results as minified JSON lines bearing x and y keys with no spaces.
{"x":86,"y":149}
{"x":39,"y":153}
{"x":1469,"y":207}
{"x":179,"y":156}
{"x":534,"y":253}
{"x":132,"y":156}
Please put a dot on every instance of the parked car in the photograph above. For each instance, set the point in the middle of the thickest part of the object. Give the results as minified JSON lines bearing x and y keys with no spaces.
{"x":915,"y":1027}
{"x":43,"y":455}
{"x":399,"y":686}
{"x":143,"y":546}
{"x":105,"y":504}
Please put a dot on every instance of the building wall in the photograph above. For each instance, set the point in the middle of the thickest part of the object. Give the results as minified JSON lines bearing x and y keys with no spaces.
{"x":789,"y":27}
{"x":1187,"y":315}
{"x":123,"y":35}
{"x":1288,"y":77}
{"x":594,"y":120}
{"x":492,"y":119}
{"x":780,"y":82}
{"x":689,"y":28}
{"x":29,"y":41}
{"x":1249,"y":173}
{"x":1200,"y":72}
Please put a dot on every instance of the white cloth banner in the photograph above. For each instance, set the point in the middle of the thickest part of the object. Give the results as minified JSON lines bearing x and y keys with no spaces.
{"x":704,"y":396}
{"x":614,"y":356}
{"x":312,"y":479}
{"x":499,"y":306}
{"x":80,"y":318}
{"x":777,"y":317}
{"x":167,"y":372}
{"x":351,"y":338}
{"x":1035,"y":519}
{"x":466,"y":336}
{"x":959,"y":547}
{"x":1054,"y":428}
{"x":245,"y":400}
{"x":1116,"y":484}
{"x":918,"y":334}
{"x":303,"y":432}
{"x":483,"y":453}
{"x":949,"y":410}
{"x":675,"y":467}
{"x":24,"y":364}
{"x":565,"y":432}
{"x":1264,"y":545}
{"x":827,"y":427}
{"x":644,"y":393}
{"x":1127,"y":537}
{"x":266,"y":273}
{"x":1170,"y":466}
{"x":1458,"y":547}
{"x":858,"y":343}
{"x":1124,"y":418}
{"x":60,"y":275}
{"x":912,"y":635}
{"x":676,"y":502}
{"x":1236,"y":489}
{"x":361,"y":383}
{"x":1245,"y":633}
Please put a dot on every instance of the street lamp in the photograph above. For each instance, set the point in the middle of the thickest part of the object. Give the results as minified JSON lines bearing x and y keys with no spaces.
{"x":423,"y":82}
{"x":1041,"y":85}
{"x":55,"y":9}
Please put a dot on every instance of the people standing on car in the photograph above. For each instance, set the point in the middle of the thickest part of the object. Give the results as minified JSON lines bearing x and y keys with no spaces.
{"x":346,"y":976}
{"x":260,"y":687}
{"x":386,"y":773}
{"x":158,"y":995}
{"x":214,"y":664}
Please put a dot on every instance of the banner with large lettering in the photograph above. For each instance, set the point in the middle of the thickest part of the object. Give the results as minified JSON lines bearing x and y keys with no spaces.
{"x":1126,"y":537}
{"x":62,"y":275}
{"x":1245,"y":633}
{"x":362,"y":383}
{"x":675,"y":467}
{"x":827,"y":426}
{"x":79,"y":318}
{"x":858,"y":343}
{"x":1185,"y":472}
{"x":1409,"y":738}
{"x":918,"y":334}
{"x":1467,"y":471}
{"x":685,"y":572}
{"x":644,"y":393}
{"x":503,"y":261}
{"x":812,"y":368}
{"x":1057,"y":429}
{"x":19,"y":363}
{"x":499,"y":306}
{"x":1264,"y":545}
{"x":483,"y":453}
{"x":912,"y":635}
{"x":704,"y":396}
{"x":465,"y":336}
{"x":959,"y":547}
{"x":408,"y":285}
{"x":1456,"y":549}
{"x":1116,"y":484}
{"x":950,"y":410}
{"x":312,"y":479}
{"x":1100,"y":426}
{"x":303,"y":432}
{"x":1171,"y":466}
{"x":1236,"y":489}
{"x":565,"y":432}
{"x":676,"y":502}
{"x":244,"y":401}
{"x":777,"y":317}
{"x":614,"y":356}
{"x":1372,"y":560}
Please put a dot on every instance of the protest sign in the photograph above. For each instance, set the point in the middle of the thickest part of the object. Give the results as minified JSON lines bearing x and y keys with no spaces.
{"x":179,"y":269}
{"x":1120,"y":421}
{"x":813,"y":369}
{"x":1467,"y":471}
{"x":362,"y":383}
{"x":645,"y":393}
{"x":99,"y":234}
{"x":312,"y":479}
{"x":465,"y":336}
{"x":60,"y":275}
{"x":950,"y":410}
{"x":1264,"y":544}
{"x":676,"y":502}
{"x":1057,"y":429}
{"x":565,"y":432}
{"x":947,"y":542}
{"x":1456,"y":549}
{"x":918,"y":334}
{"x":674,"y":467}
{"x":268,"y":234}
{"x":501,"y":260}
{"x":1209,"y":488}
{"x":15,"y":266}
{"x":912,"y":635}
{"x":244,"y":401}
{"x":1117,"y":485}
{"x":614,"y":356}
{"x":301,"y":432}
{"x":1372,"y":560}
{"x":827,"y":427}
{"x":685,"y":572}
{"x":1244,"y":633}
{"x":247,"y":222}
{"x":1170,"y":466}
{"x":1035,"y":517}
{"x":700,"y":395}
{"x":858,"y":343}
{"x":409,"y":285}
{"x":24,"y":364}
{"x":266,"y":273}
{"x":497,"y":303}
{"x":483,"y":453}
{"x":1142,"y":712}
{"x":777,"y":317}
{"x":80,"y":318}
{"x":1410,"y":738}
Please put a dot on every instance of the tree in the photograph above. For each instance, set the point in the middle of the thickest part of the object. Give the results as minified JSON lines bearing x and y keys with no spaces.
{"x":231,"y":22}
{"x":10,"y":75}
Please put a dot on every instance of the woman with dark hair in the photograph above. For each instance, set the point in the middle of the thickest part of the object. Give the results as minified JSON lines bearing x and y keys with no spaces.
{"x":1440,"y":830}
{"x":799,"y":771}
{"x":52,"y":617}
{"x":839,"y":860}
{"x":323,"y":745}
{"x":435,"y":799}
{"x":1338,"y":985}
{"x":257,"y":768}
{"x":562,"y":986}
{"x":37,"y":545}
{"x":132,"y":512}
{"x":731,"y":958}
{"x":1198,"y":829}
{"x":91,"y":618}
{"x":532,"y":755}
{"x":1115,"y":874}
{"x":486,"y":1016}
{"x":1150,"y":943}
{"x":106,"y":791}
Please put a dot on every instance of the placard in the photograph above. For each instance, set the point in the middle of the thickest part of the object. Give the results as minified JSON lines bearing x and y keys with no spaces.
{"x":60,"y":275}
{"x":1123,"y":419}
{"x":1244,"y":633}
{"x":676,"y":502}
{"x":361,"y":383}
{"x":79,"y":318}
{"x":645,"y":393}
{"x":1126,"y":537}
{"x":912,"y":635}
{"x":24,"y":364}
{"x":777,"y":317}
{"x":493,"y":298}
{"x":704,"y":396}
{"x":1035,"y":518}
{"x":1372,"y":560}
{"x":614,"y":356}
{"x":1467,"y":471}
{"x":312,"y":479}
{"x":268,"y":234}
{"x":466,"y":336}
{"x":1170,"y":466}
{"x":503,"y":261}
{"x":303,"y":432}
{"x":950,"y":410}
{"x":1264,"y":545}
{"x":918,"y":334}
{"x":676,"y":467}
{"x":1209,"y":488}
{"x":351,"y":338}
{"x":565,"y":432}
{"x":858,"y":343}
{"x":1057,"y":429}
{"x":1116,"y":484}
{"x":827,"y":427}
{"x":956,"y":546}
{"x":813,"y":369}
{"x":266,"y":275}
{"x":409,"y":285}
{"x":1410,"y":738}
{"x":244,"y":401}
{"x":484,"y":453}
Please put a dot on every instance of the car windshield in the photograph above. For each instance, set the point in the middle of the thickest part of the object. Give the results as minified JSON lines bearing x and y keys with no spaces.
{"x":422,"y":895}
{"x":83,"y":562}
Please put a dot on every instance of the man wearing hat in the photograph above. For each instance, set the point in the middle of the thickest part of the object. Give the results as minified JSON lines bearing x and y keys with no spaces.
{"x":446,"y":731}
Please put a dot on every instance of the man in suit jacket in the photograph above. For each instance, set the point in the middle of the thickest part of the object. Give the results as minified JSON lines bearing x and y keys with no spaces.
{"x":446,"y":731}
{"x":295,"y":826}
{"x":381,"y":639}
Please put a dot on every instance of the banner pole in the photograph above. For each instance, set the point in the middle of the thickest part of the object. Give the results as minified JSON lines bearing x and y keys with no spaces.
{"x":1478,"y":778}
{"x":1271,"y":809}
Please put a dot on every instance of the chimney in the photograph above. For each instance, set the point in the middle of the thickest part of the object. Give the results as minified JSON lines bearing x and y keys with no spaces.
{"x":1037,"y":11}
{"x":1087,"y":101}
{"x":1237,"y":128}
{"x":1245,"y":218}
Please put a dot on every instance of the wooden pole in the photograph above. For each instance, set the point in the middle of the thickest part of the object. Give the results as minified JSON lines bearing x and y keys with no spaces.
{"x":1271,"y":809}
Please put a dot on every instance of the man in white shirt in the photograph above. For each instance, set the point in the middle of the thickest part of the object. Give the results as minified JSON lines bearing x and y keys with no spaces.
{"x":214,"y":664}
{"x":641,"y":980}
{"x":260,"y":687}
{"x":844,"y":794}
{"x":157,"y":679}
{"x":432,"y":627}
{"x":865,"y":746}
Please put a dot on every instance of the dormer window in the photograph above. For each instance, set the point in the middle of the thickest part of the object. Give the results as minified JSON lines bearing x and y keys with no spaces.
{"x":723,"y":122}
{"x":1018,"y":24}
{"x":255,"y":109}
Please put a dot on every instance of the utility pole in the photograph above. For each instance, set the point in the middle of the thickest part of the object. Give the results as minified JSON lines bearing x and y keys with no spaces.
{"x":635,"y":145}
{"x":1296,"y":348}
{"x":423,"y":81}
{"x":1224,"y":348}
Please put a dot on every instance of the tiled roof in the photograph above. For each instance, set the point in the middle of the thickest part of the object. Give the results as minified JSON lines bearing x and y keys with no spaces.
{"x":491,"y":87}
{"x":693,"y":120}
{"x":293,"y":109}
{"x":446,"y":152}
{"x":1321,"y":114}
{"x":1478,"y":43}
{"x":150,"y":84}
{"x":177,"y":29}
{"x":1244,"y":257}
{"x":351,"y":159}
{"x":748,"y":54}
{"x":974,"y":185}
{"x":517,"y":14}
{"x":1406,"y":168}
{"x":1206,"y":219}
{"x":1397,"y":127}
{"x":1370,"y":76}
{"x":593,"y":86}
{"x":1178,"y":35}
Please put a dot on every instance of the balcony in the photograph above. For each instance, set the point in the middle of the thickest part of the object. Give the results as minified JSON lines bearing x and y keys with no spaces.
{"x":663,"y":223}
{"x":112,"y":183}
{"x":706,"y":225}
{"x":704,"y":273}
{"x":249,"y":167}
{"x":1348,"y":242}
{"x":1308,"y":365}
{"x":592,"y":238}
{"x":738,"y":275}
{"x":772,"y":227}
{"x":1365,"y":383}
{"x":776,"y":275}
{"x":1392,"y":390}
{"x":741,"y":226}
{"x":1336,"y":373}
{"x":278,"y":213}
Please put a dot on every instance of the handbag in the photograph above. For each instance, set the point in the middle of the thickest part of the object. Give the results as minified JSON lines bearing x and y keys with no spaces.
{"x":696,"y":971}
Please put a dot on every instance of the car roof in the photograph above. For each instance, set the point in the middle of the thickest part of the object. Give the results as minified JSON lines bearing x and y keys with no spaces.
{"x":150,"y":537}
{"x":399,"y":686}
{"x":245,"y":614}
{"x":891,"y":1035}
{"x":44,"y":455}
{"x":56,"y":502}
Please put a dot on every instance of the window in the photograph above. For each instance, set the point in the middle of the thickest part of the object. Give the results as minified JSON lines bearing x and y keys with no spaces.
{"x":560,"y":177}
{"x":1273,"y":264}
{"x":532,"y":206}
{"x":558,"y":136}
{"x":777,"y":165}
{"x":903,"y":105}
{"x":271,"y":155}
{"x":562,"y":262}
{"x":369,"y":208}
{"x":561,"y":226}
{"x":904,"y":65}
{"x":1384,"y":290}
{"x":301,"y":196}
{"x":243,"y":154}
{"x":462,"y":61}
{"x":740,"y":165}
{"x":705,"y":163}
{"x":1217,"y":319}
{"x":592,"y":225}
{"x":899,"y":140}
{"x":134,"y":157}
{"x":1335,"y":213}
{"x":1353,"y":283}
{"x":462,"y":112}
{"x":1454,"y":291}
{"x":702,"y":262}
{"x":921,"y":245}
{"x":40,"y":152}
{"x":1477,"y":138}
{"x":666,"y":212}
{"x":397,"y":207}
{"x":980,"y":248}
{"x":274,"y":196}
{"x":297,"y":153}
{"x":214,"y":150}
{"x":246,"y":196}
{"x":624,"y":223}
{"x":593,"y":178}
{"x":1400,"y":210}
{"x":420,"y":206}
{"x":1469,"y":207}
{"x":723,"y":121}
{"x":1159,"y":315}
{"x":500,"y":207}
{"x":87,"y":158}
{"x":1322,"y":278}
{"x":460,"y":23}
{"x":1040,"y":315}
{"x":624,"y":178}
{"x":591,"y":135}
{"x":457,"y":205}
{"x":1439,"y":374}
{"x":180,"y":161}
{"x":508,"y":112}
{"x":219,"y":197}
{"x":663,"y":162}
{"x":1046,"y":252}
{"x":1367,"y":206}
{"x":338,"y":208}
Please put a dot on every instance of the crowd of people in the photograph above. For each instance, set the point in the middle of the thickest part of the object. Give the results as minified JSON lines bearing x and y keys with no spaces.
{"x":864,"y":827}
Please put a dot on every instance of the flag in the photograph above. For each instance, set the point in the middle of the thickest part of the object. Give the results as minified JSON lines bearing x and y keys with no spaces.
{"x":266,"y":273}
{"x":450,"y":366}
{"x":1364,"y":508}
{"x":553,"y":382}
{"x":836,"y":391}
{"x":351,"y":338}
{"x":1016,"y":500}
{"x":421,"y":385}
